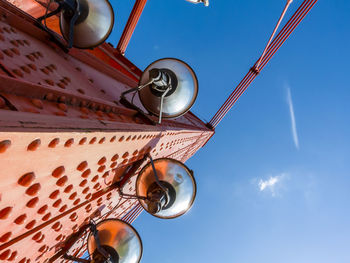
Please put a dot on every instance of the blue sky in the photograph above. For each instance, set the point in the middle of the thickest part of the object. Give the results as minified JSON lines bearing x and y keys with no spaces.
{"x":263,"y":195}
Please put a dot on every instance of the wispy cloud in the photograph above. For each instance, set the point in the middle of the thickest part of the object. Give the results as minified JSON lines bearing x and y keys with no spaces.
{"x":272,"y":184}
{"x":292,"y":118}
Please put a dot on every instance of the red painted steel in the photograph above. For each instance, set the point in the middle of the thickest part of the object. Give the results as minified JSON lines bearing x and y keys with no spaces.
{"x":65,"y":139}
{"x":131,"y":25}
{"x":283,"y":35}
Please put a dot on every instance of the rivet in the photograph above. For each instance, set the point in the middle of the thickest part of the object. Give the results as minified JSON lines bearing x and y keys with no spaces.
{"x":115,"y":157}
{"x":33,"y":67}
{"x":25,"y":69}
{"x":82,"y":166}
{"x":69,"y":143}
{"x":60,"y":113}
{"x":8,"y":53}
{"x":46,"y":217}
{"x":5,"y":237}
{"x":86,"y":190}
{"x":31,"y":224}
{"x":62,"y":99}
{"x":102,"y":161}
{"x":63,"y":208}
{"x":86,"y":173}
{"x":62,"y":181}
{"x":57,"y":203}
{"x":58,"y":172}
{"x":20,"y":220}
{"x":92,"y":105}
{"x":113,"y":165}
{"x":96,"y":186}
{"x":33,"y":190}
{"x":16,"y":51}
{"x":101,"y":169}
{"x":93,"y":140}
{"x":113,"y":139}
{"x":81,"y":91}
{"x":68,"y":188}
{"x":94,"y":179}
{"x":49,"y":68}
{"x":18,"y":72}
{"x":50,"y":82}
{"x":43,"y":249}
{"x":83,"y":183}
{"x":33,"y":202}
{"x":84,"y":110}
{"x":56,"y":225}
{"x":54,"y":143}
{"x":73,"y":196}
{"x":76,"y":202}
{"x":42,"y":209}
{"x":13,"y":256}
{"x":34,"y":145}
{"x":4,"y":213}
{"x":128,"y":139}
{"x":54,"y":194}
{"x":37,"y":103}
{"x":125,"y":155}
{"x":30,"y":57}
{"x":14,"y":42}
{"x":4,"y":145}
{"x":88,"y":196}
{"x":61,"y":85}
{"x":37,"y":236}
{"x":82,"y":141}
{"x":111,"y":115}
{"x":99,"y":113}
{"x":62,"y":106}
{"x":49,"y":97}
{"x":73,"y":216}
{"x":4,"y":255}
{"x":102,"y":140}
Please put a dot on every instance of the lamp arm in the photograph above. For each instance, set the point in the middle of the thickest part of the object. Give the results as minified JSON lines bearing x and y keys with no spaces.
{"x":100,"y":249}
{"x":81,"y":260}
{"x":155,"y":174}
{"x":130,"y":196}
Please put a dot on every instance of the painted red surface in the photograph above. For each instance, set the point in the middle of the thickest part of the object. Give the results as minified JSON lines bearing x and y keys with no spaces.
{"x":65,"y":138}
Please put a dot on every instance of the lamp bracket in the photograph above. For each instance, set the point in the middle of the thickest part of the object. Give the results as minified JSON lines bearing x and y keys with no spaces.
{"x":162,"y":82}
{"x":72,"y":5}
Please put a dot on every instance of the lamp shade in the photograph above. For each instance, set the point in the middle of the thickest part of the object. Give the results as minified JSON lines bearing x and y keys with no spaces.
{"x":176,"y":178}
{"x":119,"y":239}
{"x":93,"y":26}
{"x":182,"y":95}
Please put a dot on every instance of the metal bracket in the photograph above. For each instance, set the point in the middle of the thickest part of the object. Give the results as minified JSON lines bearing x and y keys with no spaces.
{"x":63,"y":4}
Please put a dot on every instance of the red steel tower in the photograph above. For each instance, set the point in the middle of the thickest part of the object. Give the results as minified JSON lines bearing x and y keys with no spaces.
{"x":65,"y":138}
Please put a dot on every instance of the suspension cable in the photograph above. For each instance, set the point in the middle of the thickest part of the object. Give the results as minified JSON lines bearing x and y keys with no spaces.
{"x":271,"y":49}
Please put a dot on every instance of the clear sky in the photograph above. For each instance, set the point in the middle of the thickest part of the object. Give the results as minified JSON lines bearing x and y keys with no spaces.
{"x":274,"y":182}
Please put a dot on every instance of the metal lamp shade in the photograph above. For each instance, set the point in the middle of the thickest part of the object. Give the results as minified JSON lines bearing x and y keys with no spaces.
{"x":120,"y":236}
{"x":178,"y":102}
{"x":178,"y":176}
{"x":95,"y":28}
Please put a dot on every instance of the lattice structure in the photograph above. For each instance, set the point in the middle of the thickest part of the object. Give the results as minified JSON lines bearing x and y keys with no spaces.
{"x":65,"y":138}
